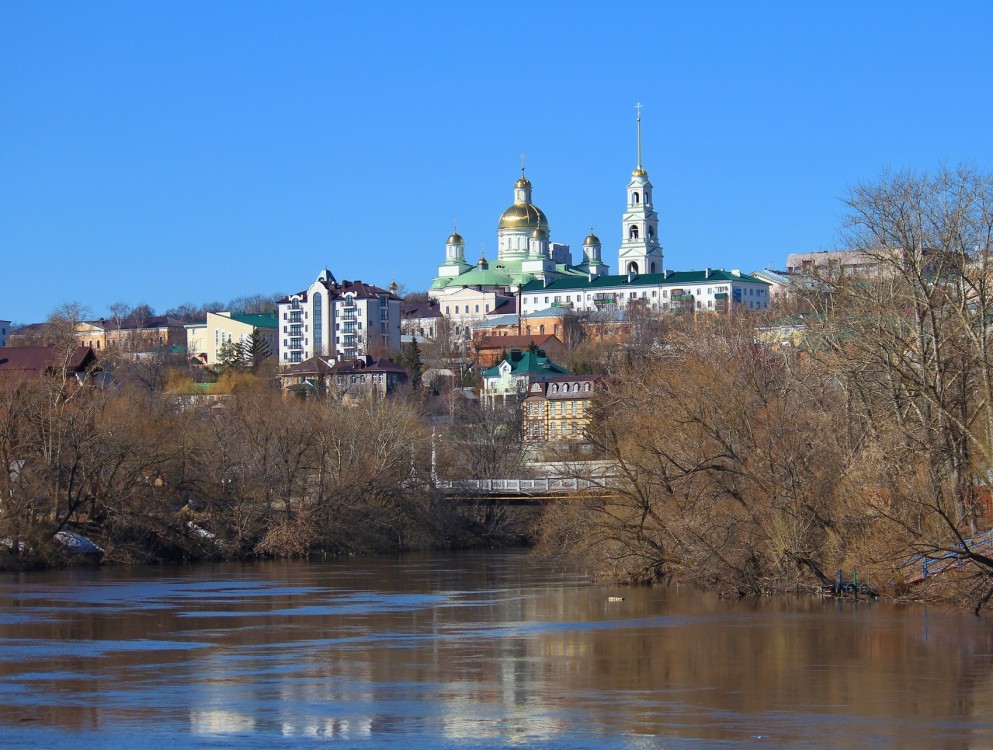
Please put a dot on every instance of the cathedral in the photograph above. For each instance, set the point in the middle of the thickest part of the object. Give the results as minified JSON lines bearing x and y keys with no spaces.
{"x":525,"y":252}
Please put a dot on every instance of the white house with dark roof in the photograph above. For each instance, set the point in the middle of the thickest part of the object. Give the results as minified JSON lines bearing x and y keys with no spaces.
{"x":342,"y":320}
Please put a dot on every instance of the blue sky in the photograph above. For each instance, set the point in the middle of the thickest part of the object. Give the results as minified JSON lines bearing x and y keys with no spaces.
{"x":195,"y":151}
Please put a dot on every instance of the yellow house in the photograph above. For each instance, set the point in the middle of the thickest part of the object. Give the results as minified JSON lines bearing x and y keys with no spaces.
{"x":205,"y":340}
{"x":560,"y":407}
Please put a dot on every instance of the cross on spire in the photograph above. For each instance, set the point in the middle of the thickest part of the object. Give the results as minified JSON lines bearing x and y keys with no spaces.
{"x":522,"y":165}
{"x":638,"y":107}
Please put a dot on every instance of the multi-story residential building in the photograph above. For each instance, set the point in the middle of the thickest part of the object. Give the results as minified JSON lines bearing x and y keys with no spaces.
{"x":510,"y":381}
{"x":343,"y":320}
{"x":560,"y":407}
{"x":4,"y":331}
{"x":207,"y":340}
{"x":831,"y":265}
{"x":713,"y":290}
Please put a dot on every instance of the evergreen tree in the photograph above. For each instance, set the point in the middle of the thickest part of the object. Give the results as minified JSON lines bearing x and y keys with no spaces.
{"x":412,"y":362}
{"x":256,"y":350}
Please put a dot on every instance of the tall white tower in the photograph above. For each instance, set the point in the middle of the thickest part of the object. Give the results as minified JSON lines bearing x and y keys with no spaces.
{"x":640,"y":250}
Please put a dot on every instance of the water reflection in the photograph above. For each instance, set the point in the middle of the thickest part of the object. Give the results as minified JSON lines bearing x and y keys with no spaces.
{"x":489,"y":649}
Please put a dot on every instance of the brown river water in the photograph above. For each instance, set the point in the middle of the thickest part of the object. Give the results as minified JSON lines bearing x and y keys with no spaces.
{"x":471,"y":650}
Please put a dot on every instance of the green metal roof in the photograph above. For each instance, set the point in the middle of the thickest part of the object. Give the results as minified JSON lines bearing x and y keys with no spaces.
{"x":527,"y":363}
{"x":258,"y":320}
{"x":678,"y":278}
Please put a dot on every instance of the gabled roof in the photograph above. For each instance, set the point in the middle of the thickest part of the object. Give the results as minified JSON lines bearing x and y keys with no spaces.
{"x":312,"y":366}
{"x":418,"y":310}
{"x":39,"y":360}
{"x":368,"y":364}
{"x":527,"y":363}
{"x":505,"y":307}
{"x":137,"y":324}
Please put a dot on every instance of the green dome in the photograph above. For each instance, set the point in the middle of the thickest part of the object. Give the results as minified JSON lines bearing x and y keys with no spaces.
{"x":482,"y":277}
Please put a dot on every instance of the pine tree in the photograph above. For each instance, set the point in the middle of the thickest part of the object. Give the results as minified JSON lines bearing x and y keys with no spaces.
{"x":412,"y":362}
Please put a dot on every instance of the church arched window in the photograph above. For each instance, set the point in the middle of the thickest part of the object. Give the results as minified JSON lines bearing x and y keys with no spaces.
{"x":635,"y":197}
{"x":651,"y":233}
{"x":653,"y":268}
{"x":632,"y":267}
{"x":633,"y":232}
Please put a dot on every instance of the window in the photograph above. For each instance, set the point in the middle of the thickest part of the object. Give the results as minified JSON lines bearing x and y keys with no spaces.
{"x":318,"y":317}
{"x":635,"y":197}
{"x":633,"y":232}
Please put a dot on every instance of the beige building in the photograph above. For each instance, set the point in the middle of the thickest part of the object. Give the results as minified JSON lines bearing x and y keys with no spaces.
{"x":559,"y":408}
{"x":205,"y":340}
{"x":132,"y":335}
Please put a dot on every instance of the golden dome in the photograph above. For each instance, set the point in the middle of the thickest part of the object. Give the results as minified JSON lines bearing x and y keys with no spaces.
{"x":523,"y":216}
{"x":524,"y":182}
{"x":639,"y":172}
{"x":591,"y":239}
{"x":539,"y":234}
{"x":455,"y":239}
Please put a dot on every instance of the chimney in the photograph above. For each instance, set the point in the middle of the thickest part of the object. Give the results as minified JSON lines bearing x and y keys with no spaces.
{"x":707,"y":274}
{"x":631,"y":275}
{"x":736,"y":272}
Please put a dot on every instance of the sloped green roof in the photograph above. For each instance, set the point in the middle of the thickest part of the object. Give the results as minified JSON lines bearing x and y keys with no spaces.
{"x":649,"y":279}
{"x":529,"y":362}
{"x":258,"y":320}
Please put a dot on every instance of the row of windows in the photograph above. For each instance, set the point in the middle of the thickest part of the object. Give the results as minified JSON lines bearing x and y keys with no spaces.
{"x":467,"y":311}
{"x":555,"y":408}
{"x":565,"y":387}
{"x":537,"y":430}
{"x":700,"y":291}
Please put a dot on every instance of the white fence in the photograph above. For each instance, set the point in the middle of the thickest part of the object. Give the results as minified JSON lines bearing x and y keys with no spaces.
{"x":519,"y":486}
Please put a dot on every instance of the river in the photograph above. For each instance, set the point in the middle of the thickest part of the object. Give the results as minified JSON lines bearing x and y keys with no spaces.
{"x":482,"y":649}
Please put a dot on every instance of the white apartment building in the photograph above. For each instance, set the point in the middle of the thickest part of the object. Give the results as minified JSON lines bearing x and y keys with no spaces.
{"x":335,"y":320}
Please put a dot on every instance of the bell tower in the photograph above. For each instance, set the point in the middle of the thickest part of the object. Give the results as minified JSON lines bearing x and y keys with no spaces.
{"x":640,"y":251}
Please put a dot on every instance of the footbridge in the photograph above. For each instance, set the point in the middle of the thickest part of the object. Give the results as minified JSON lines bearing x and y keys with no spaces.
{"x":520,"y":491}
